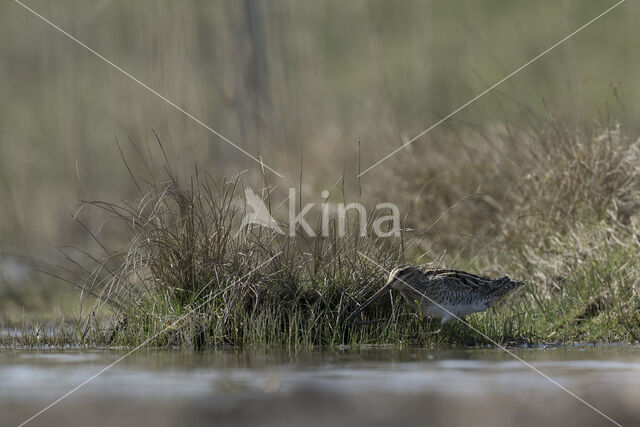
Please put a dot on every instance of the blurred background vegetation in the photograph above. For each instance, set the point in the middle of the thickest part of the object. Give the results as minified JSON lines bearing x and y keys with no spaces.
{"x":287,"y":79}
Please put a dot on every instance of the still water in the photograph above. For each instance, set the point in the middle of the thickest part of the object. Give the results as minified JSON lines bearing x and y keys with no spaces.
{"x":340,"y":386}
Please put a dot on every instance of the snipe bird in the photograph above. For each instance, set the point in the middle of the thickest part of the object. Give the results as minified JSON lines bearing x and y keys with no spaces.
{"x":444,"y":294}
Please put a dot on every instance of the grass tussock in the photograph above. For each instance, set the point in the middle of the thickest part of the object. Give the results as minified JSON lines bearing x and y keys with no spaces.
{"x":567,"y":224}
{"x":192,"y":271}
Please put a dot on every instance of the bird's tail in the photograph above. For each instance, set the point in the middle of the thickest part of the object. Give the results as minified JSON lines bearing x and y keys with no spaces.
{"x":505,"y":285}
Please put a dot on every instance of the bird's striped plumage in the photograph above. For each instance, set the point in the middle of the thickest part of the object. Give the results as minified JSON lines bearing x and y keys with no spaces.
{"x":445,"y":294}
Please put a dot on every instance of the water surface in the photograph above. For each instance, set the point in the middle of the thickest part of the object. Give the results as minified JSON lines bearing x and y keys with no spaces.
{"x":364,"y":386}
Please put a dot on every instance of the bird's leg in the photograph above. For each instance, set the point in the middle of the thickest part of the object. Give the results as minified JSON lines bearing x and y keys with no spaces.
{"x":446,"y":319}
{"x":438,"y":331}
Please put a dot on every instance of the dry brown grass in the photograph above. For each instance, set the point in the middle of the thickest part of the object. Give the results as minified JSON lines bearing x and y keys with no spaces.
{"x":566,"y":223}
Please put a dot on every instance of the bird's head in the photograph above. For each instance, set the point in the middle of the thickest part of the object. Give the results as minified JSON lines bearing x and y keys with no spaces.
{"x":396,"y":280}
{"x":399,"y":276}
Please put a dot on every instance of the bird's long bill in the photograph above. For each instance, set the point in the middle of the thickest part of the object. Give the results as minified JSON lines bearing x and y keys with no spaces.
{"x":386,"y":288}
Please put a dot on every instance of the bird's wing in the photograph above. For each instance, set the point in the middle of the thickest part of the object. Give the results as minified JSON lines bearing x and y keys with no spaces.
{"x":461,"y":279}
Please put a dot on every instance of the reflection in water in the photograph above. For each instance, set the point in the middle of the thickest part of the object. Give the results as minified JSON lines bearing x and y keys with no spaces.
{"x":454,"y":386}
